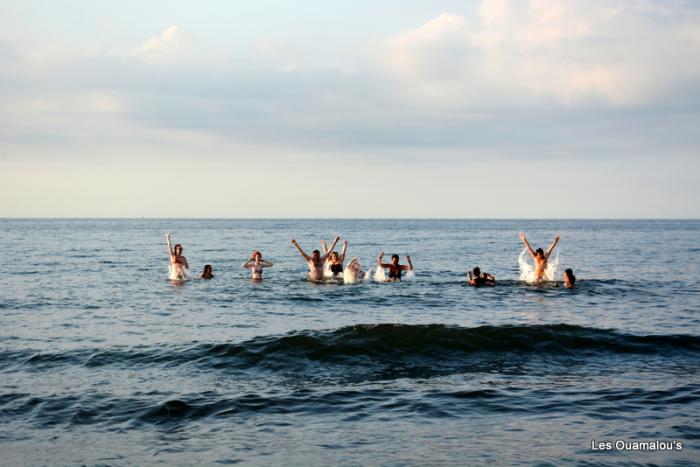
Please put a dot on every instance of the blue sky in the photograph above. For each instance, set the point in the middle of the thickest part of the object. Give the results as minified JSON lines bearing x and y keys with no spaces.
{"x":492,"y":108}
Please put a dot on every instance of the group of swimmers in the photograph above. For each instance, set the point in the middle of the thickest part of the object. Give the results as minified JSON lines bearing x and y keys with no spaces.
{"x":330,"y":265}
{"x":541,"y":260}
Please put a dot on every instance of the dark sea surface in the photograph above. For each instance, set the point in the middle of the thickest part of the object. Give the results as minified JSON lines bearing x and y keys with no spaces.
{"x":104,"y":361}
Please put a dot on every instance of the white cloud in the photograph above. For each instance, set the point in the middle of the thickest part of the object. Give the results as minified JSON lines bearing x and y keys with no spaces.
{"x":570,"y":52}
{"x":478,"y":98}
{"x":172,"y":44}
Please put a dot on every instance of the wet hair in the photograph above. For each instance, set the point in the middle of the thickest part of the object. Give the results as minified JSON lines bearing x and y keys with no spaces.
{"x":477,"y":271}
{"x":177,"y":245}
{"x":207,"y":267}
{"x":539,"y":251}
{"x":316,"y":252}
{"x":570,"y":275}
{"x":256,"y":253}
{"x":394,"y":256}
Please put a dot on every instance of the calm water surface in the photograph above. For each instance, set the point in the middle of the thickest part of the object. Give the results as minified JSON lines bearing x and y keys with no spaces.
{"x":103,"y":361}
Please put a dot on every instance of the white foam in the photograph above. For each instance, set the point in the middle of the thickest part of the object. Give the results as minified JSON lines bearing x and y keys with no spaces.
{"x":527,"y":269}
{"x":379,"y":274}
{"x":178,"y":272}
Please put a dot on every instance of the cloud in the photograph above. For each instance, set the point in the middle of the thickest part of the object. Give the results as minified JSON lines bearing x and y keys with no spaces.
{"x":546,"y":52}
{"x":489,"y":97}
{"x":173,"y":43}
{"x":495,"y":79}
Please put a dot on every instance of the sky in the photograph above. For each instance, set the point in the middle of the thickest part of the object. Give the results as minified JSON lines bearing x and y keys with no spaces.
{"x":362,"y":109}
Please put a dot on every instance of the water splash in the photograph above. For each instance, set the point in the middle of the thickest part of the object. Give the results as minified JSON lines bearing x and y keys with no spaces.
{"x":380,"y":275}
{"x":178,"y":272}
{"x":527,"y":269}
{"x":352,"y":271}
{"x":551,"y":270}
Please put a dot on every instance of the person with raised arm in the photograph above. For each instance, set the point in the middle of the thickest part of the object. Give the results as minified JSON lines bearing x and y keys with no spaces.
{"x":394,"y":267}
{"x":539,"y":257}
{"x":315,"y":261}
{"x":256,"y":265}
{"x":335,"y":260}
{"x":179,"y":268}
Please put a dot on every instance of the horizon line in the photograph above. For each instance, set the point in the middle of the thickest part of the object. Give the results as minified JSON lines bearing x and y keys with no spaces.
{"x":369,"y":218}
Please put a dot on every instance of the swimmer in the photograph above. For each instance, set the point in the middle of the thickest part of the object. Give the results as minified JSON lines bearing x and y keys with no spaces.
{"x":179,"y":268}
{"x":477,"y":278}
{"x":256,"y":265}
{"x":335,"y":260}
{"x":569,"y":279}
{"x":353,"y":272}
{"x":540,"y":257}
{"x":394,"y":267}
{"x":315,"y":261}
{"x":207,"y":273}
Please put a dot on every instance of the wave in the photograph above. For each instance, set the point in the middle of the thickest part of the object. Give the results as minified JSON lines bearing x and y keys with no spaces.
{"x":366,"y":344}
{"x":353,"y":404}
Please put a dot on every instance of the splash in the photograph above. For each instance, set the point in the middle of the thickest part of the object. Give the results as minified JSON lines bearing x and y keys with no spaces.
{"x":380,"y":275}
{"x":551,"y":270}
{"x":410,"y":275}
{"x":178,"y":272}
{"x":527,"y":269}
{"x":352,"y":271}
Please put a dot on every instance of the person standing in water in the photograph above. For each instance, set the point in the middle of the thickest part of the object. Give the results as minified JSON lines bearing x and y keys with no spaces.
{"x":477,"y":278}
{"x":315,"y":261}
{"x":539,"y":256}
{"x":394,"y":267}
{"x":256,"y":265}
{"x":569,"y":279}
{"x":179,"y":268}
{"x":335,"y":260}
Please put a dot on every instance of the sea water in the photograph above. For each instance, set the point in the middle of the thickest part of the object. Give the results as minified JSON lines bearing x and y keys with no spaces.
{"x":104,"y":361}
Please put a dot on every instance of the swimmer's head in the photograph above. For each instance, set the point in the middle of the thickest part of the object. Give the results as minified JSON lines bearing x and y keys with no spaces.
{"x":207,"y":273}
{"x":334,"y":256}
{"x":539,"y":253}
{"x":395,"y":259}
{"x":178,"y":249}
{"x":477,"y":272}
{"x":569,"y":278}
{"x":257,"y":255}
{"x":316,"y":254}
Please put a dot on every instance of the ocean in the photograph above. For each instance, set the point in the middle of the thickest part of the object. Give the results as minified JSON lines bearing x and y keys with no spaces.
{"x":103,"y":361}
